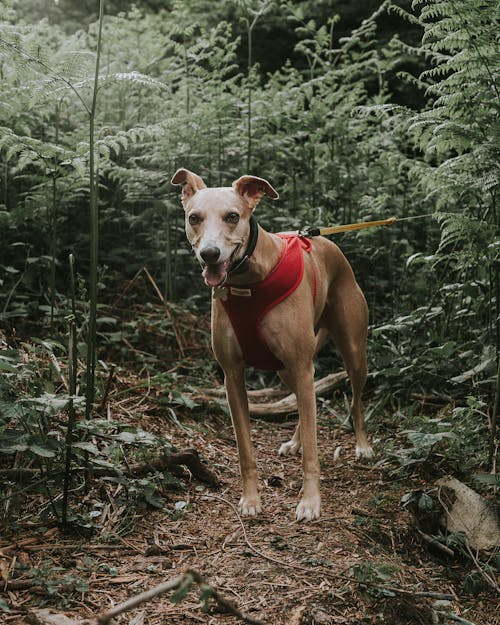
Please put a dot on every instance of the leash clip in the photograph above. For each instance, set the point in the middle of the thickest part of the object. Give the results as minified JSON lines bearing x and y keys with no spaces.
{"x":308,"y":232}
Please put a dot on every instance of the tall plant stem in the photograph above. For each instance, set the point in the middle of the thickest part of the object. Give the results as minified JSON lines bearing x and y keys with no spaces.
{"x":186,"y":70}
{"x":94,"y":233}
{"x":494,"y":421}
{"x":72,"y":358}
{"x":496,"y":406}
{"x":250,"y":27}
{"x":5,"y":183}
{"x":53,"y":245}
{"x":249,"y":99}
{"x":167,"y":291}
{"x":53,"y":227}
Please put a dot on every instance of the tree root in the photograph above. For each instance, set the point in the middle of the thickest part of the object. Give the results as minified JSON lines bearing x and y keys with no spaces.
{"x":281,"y":406}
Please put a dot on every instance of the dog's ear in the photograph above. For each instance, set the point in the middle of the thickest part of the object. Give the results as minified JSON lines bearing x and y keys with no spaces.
{"x":193,"y":183}
{"x":252,"y":189}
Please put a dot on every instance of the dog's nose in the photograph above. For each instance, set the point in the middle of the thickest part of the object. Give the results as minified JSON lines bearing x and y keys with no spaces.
{"x":210,"y":254}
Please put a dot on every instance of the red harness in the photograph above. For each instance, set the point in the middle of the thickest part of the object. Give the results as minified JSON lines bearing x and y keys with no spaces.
{"x":247,"y":306}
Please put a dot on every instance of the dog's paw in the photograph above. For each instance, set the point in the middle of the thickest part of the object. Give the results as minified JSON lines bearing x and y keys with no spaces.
{"x":290,"y":448}
{"x":308,"y":509}
{"x":249,"y":506}
{"x":364,"y":451}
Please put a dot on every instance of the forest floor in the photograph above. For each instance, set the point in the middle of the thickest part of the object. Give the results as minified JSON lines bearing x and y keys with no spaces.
{"x":337,"y":570}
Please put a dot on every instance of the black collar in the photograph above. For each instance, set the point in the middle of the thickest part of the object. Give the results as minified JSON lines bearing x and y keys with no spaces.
{"x":241,"y":265}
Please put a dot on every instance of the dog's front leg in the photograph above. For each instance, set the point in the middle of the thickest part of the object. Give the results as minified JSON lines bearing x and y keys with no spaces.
{"x":238,"y":406}
{"x":310,"y":503}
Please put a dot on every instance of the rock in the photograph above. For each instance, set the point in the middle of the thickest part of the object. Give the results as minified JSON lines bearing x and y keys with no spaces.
{"x":466,"y":511}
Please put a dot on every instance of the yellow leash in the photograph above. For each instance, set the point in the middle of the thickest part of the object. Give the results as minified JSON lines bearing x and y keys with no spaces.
{"x":314,"y":232}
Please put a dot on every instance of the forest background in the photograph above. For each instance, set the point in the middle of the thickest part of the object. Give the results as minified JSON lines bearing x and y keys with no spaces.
{"x":352,"y":110}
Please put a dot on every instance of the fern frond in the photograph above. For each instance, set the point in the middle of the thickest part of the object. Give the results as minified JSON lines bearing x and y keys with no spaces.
{"x":30,"y":148}
{"x":406,"y":15}
{"x":379,"y":110}
{"x":410,"y":79}
{"x":75,"y":64}
{"x":135,"y":78}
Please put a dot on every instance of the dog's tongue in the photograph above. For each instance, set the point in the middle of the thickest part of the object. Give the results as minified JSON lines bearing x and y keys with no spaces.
{"x":215,"y":274}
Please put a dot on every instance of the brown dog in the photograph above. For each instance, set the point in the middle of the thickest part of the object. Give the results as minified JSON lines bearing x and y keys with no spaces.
{"x":316,"y":289}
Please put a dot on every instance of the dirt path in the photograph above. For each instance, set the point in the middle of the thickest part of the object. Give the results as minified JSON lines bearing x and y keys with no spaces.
{"x":275,"y":570}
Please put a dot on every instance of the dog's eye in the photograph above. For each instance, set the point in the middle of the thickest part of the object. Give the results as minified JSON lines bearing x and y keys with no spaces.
{"x":232,"y":218}
{"x":194,"y":219}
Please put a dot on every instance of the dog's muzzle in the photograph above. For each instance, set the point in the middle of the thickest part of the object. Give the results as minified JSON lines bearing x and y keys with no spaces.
{"x":214,"y":273}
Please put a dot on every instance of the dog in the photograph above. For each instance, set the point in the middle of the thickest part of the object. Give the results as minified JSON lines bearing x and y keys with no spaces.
{"x":316,"y":295}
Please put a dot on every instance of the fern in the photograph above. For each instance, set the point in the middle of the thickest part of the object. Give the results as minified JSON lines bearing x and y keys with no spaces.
{"x":34,"y":151}
{"x":134,"y":78}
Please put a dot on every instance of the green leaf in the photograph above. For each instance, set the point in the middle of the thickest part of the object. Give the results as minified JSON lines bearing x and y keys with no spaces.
{"x":12,"y":441}
{"x":87,"y":446}
{"x":427,"y":439}
{"x":4,"y":607}
{"x":7,"y":366}
{"x":44,"y":452}
{"x":491,"y":479}
{"x":425,"y":503}
{"x":479,"y":368}
{"x":183,"y":589}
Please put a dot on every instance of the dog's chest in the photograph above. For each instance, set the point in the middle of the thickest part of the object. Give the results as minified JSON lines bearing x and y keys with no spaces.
{"x":246,"y":306}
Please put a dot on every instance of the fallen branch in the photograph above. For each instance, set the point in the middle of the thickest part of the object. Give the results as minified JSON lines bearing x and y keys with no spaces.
{"x":435,"y":544}
{"x":283,"y":405}
{"x":189,"y":458}
{"x":262,"y":393}
{"x":289,"y":403}
{"x":454,"y":617}
{"x":183,"y":582}
{"x":133,"y":602}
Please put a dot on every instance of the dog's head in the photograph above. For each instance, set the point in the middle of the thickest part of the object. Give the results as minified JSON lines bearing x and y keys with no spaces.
{"x":217,"y":220}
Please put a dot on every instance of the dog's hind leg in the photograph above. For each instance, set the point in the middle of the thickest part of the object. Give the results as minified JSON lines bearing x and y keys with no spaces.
{"x":291,"y":447}
{"x":346,"y":317}
{"x":355,"y":362}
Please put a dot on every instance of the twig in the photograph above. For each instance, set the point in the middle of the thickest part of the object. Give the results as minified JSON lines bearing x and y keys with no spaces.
{"x":187,"y":577}
{"x":289,"y":403}
{"x":247,"y":541}
{"x":107,"y":389}
{"x":57,"y":367}
{"x":494,"y":419}
{"x":133,"y":602}
{"x":167,"y":310}
{"x":436,"y":544}
{"x":10,"y":550}
{"x":489,"y":580}
{"x":222,"y":601}
{"x":454,"y":617}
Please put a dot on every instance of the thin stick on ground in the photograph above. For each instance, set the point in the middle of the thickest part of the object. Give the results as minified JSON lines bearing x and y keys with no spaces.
{"x":188,"y":577}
